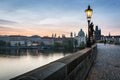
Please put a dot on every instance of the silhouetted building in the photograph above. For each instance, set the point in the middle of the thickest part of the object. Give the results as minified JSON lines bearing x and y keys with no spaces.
{"x":34,"y":40}
{"x":63,"y":36}
{"x":74,"y":34}
{"x":81,"y":39}
{"x":71,"y":35}
{"x":97,"y":33}
{"x":17,"y":40}
{"x":4,"y":38}
{"x":111,"y":39}
{"x":47,"y":40}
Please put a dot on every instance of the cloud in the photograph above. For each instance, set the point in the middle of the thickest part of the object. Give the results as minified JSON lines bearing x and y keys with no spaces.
{"x":56,"y":15}
{"x":4,"y":28}
{"x":2,"y":21}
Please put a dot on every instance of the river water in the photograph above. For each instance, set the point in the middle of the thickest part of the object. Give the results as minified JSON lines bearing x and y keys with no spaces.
{"x":17,"y":62}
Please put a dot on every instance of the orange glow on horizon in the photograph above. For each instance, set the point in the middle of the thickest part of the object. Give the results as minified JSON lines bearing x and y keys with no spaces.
{"x":49,"y":31}
{"x":41,"y":33}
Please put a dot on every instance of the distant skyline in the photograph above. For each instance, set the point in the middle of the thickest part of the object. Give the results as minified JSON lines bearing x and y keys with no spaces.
{"x":47,"y":17}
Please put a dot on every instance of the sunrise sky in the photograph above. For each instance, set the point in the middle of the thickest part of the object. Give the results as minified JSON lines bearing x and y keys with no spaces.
{"x":44,"y":17}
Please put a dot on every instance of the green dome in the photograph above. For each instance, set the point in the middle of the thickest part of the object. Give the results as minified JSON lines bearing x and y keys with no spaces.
{"x":81,"y":33}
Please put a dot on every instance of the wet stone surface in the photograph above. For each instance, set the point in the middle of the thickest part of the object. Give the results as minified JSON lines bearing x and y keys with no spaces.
{"x":107,"y":64}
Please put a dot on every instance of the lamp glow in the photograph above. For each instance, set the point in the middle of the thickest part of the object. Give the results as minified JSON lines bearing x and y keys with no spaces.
{"x":89,"y":12}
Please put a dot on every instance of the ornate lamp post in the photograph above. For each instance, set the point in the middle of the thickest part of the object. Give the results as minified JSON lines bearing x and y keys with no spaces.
{"x":89,"y":12}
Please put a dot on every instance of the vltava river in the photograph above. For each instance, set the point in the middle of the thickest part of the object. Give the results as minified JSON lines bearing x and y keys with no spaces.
{"x":16,"y":62}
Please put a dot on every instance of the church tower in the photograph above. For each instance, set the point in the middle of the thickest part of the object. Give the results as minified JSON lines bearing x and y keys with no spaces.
{"x":97,"y":33}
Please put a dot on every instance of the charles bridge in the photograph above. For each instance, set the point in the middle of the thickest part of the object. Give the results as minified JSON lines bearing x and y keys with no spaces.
{"x":99,"y":62}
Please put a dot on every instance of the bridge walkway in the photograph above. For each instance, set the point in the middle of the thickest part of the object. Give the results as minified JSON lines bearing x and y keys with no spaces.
{"x":107,"y":64}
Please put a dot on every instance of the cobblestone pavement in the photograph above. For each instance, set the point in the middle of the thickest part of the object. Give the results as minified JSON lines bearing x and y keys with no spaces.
{"x":107,"y":64}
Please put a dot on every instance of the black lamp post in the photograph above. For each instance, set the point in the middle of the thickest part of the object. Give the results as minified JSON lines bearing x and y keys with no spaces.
{"x":89,"y":12}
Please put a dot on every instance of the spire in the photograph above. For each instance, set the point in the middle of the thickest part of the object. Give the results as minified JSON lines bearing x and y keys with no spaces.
{"x":74,"y":34}
{"x":52,"y":35}
{"x":55,"y":35}
{"x":109,"y":34}
{"x":71,"y":34}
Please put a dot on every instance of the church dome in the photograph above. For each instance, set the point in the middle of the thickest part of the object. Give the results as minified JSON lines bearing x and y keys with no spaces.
{"x":81,"y":33}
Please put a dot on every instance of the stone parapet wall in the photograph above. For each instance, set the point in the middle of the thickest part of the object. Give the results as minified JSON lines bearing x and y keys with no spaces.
{"x":73,"y":67}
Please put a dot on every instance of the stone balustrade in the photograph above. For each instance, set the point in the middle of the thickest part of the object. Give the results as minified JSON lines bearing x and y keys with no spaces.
{"x":73,"y":67}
